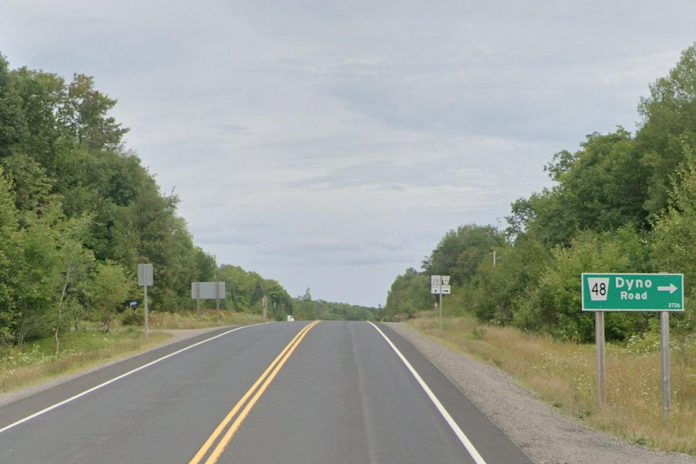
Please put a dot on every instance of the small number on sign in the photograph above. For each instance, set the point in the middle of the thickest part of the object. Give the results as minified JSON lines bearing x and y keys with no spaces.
{"x":599,"y":289}
{"x":675,"y":306}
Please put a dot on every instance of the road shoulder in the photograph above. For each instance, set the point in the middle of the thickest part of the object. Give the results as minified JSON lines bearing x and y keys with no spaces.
{"x":177,"y":336}
{"x":540,"y":431}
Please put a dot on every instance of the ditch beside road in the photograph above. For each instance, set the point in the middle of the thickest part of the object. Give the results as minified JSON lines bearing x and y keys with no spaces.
{"x":542,"y":432}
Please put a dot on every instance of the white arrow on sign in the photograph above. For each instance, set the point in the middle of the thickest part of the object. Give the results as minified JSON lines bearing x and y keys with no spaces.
{"x":671,"y":289}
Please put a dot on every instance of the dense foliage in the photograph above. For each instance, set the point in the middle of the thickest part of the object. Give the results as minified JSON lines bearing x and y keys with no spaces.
{"x":622,"y":203}
{"x":308,"y":309}
{"x":246,"y":292}
{"x":78,"y":211}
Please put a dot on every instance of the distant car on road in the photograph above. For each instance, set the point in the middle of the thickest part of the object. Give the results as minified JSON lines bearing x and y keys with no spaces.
{"x":291,"y":318}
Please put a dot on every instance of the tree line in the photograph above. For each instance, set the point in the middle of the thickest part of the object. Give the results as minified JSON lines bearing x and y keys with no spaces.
{"x":622,"y":203}
{"x":78,"y":212}
{"x":307,"y":308}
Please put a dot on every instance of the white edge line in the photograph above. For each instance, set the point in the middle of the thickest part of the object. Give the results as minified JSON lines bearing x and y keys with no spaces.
{"x":470,"y":448}
{"x":109,"y":382}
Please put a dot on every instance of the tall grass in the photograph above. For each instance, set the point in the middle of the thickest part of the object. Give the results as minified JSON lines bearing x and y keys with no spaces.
{"x":564,"y":375}
{"x":206,"y":318}
{"x":36,"y":362}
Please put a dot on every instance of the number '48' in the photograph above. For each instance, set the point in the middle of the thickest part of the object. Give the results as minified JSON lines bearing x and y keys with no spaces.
{"x":599,"y":289}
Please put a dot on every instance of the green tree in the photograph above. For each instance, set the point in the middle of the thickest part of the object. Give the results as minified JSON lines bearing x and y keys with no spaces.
{"x":36,"y":273}
{"x":30,"y":183}
{"x":85,"y":114}
{"x":602,"y":187}
{"x":108,"y":292}
{"x":498,"y":290}
{"x":460,"y":252}
{"x":669,"y":128}
{"x":73,"y":268}
{"x":674,"y":235}
{"x":554,"y":304}
{"x":9,"y":251}
{"x":205,"y":265}
{"x":408,"y":293}
{"x":72,"y":199}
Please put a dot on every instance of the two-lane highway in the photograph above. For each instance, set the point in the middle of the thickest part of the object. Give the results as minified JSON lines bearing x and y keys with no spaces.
{"x":329,"y":392}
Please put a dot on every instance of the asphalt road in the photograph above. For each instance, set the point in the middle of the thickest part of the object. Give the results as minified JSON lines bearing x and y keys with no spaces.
{"x":290,"y":393}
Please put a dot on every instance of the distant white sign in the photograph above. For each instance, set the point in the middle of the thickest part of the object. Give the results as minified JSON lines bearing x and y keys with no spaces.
{"x":145,"y":278}
{"x":439,"y":285}
{"x":208,"y":290}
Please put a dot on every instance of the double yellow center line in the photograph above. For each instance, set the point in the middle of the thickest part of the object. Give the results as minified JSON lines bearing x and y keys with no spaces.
{"x":231,"y":423}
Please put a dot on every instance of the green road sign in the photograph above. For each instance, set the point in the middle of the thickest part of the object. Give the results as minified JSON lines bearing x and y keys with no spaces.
{"x":633,"y":292}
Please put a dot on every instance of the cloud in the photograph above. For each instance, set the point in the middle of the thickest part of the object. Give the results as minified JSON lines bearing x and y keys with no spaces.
{"x":332,"y":144}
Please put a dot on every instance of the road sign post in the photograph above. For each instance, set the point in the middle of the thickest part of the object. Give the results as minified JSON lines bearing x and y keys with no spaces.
{"x":664,"y":348}
{"x":439,"y":285}
{"x":208,"y":291}
{"x":439,"y":316}
{"x":601,"y":360}
{"x":196,"y":289}
{"x":633,"y":292}
{"x":217,"y":300}
{"x":145,"y":279}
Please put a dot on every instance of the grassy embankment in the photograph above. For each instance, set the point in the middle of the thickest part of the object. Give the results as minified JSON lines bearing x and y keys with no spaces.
{"x":563,"y":374}
{"x":36,"y":362}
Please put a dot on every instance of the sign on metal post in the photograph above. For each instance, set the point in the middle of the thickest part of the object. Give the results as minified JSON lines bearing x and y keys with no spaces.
{"x":145,"y":279}
{"x":633,"y":292}
{"x":208,"y":291}
{"x":439,"y":285}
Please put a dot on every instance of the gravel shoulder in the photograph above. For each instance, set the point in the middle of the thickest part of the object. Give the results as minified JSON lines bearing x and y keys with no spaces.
{"x":176,"y":336}
{"x":545,"y":435}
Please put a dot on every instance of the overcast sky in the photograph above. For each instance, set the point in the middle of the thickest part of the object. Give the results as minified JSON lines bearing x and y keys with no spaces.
{"x":331,"y":144}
